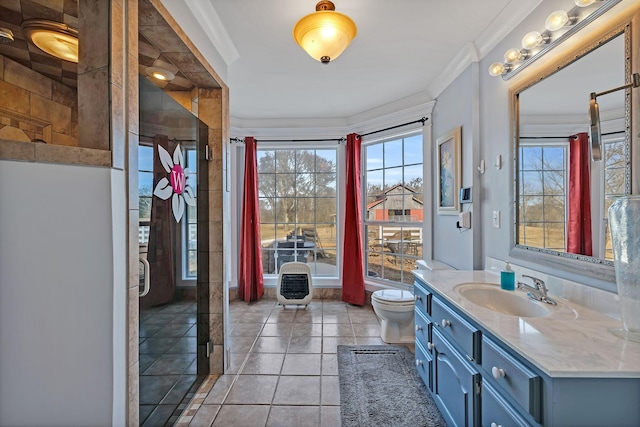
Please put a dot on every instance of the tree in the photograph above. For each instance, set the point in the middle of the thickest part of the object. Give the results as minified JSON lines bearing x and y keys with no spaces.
{"x":293,"y":185}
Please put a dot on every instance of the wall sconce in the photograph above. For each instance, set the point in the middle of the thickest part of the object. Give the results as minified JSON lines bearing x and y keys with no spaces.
{"x":535,"y":44}
{"x":54,"y":38}
{"x":594,"y":115}
{"x":6,"y":35}
{"x":324,"y":34}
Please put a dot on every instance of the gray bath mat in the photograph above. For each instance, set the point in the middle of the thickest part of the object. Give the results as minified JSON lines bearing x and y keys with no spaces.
{"x":379,"y":386}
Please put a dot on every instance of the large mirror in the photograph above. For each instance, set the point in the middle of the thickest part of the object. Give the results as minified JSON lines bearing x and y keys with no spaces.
{"x":561,"y":194}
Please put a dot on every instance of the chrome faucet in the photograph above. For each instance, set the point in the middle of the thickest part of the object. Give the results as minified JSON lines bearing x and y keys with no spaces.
{"x":539,"y":292}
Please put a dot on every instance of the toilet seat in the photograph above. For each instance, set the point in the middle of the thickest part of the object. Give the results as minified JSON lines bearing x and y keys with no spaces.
{"x":394,"y":297}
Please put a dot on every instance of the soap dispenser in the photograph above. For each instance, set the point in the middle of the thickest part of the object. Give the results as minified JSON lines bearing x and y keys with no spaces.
{"x":507,"y":278}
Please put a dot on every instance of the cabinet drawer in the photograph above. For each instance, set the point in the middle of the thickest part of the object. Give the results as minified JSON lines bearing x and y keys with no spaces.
{"x":496,"y":411}
{"x":462,"y":332}
{"x":423,"y":298}
{"x":514,"y":378}
{"x":423,"y":329}
{"x":424,"y":365}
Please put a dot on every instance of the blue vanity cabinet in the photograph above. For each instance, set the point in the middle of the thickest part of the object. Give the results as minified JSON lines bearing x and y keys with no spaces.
{"x":456,"y":384}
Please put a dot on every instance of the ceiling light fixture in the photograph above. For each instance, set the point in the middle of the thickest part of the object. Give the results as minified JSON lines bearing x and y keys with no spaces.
{"x":559,"y":26}
{"x":160,"y":74}
{"x":6,"y":35}
{"x":324,"y":34}
{"x":54,"y":38}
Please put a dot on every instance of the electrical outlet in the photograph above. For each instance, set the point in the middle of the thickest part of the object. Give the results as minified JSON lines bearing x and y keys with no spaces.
{"x":496,"y":219}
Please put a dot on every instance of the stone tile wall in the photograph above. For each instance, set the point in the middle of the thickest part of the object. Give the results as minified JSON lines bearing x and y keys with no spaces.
{"x":34,"y":107}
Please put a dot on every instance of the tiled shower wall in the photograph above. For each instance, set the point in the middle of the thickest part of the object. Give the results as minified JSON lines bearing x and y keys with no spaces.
{"x":34,"y":107}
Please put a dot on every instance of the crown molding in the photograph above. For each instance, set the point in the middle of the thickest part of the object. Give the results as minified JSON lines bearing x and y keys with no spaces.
{"x":212,"y":25}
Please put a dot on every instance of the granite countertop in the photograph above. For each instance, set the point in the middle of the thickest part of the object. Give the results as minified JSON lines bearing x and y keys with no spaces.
{"x":572,"y":341}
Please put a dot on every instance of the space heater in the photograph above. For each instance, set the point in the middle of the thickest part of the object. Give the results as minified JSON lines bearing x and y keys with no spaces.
{"x":294,"y":284}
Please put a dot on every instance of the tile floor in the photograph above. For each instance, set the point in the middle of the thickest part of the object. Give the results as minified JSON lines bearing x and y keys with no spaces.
{"x":167,"y":362}
{"x":284,"y":369}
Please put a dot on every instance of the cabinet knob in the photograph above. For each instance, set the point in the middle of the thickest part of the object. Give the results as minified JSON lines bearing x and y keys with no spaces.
{"x":495,"y":425}
{"x":431,"y":346}
{"x":497,"y":372}
{"x":418,"y":297}
{"x":445,"y":323}
{"x":418,"y":363}
{"x":418,"y":328}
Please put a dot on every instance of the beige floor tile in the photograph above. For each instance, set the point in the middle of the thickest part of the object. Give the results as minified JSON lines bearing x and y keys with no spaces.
{"x":304,"y":316}
{"x":330,"y":416}
{"x":252,"y":390}
{"x":246,"y":329}
{"x":337,"y":330}
{"x":297,"y":390}
{"x":307,"y":330}
{"x":294,"y":416}
{"x":276,"y":330}
{"x":219,"y":390}
{"x":330,"y":344}
{"x":271,"y":345}
{"x":242,"y":416}
{"x":263,"y":364}
{"x":282,"y":315}
{"x":205,"y":415}
{"x":366,"y":329}
{"x":329,"y":364}
{"x":302,"y":364}
{"x":300,"y":344}
{"x":241,"y":344}
{"x":330,"y":390}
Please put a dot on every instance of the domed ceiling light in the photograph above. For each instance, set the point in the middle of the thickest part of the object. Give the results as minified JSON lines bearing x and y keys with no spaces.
{"x":54,"y":38}
{"x":324,"y":34}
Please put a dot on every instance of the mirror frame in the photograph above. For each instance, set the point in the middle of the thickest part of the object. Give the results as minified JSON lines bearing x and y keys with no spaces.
{"x":595,"y":268}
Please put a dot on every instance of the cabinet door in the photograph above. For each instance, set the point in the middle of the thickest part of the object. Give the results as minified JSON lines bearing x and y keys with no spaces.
{"x":496,"y":411}
{"x":456,"y":384}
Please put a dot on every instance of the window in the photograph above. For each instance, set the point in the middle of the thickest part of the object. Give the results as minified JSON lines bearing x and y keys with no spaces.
{"x":145,"y":191}
{"x":542,"y":198}
{"x":190,"y":222}
{"x":616,"y":180}
{"x":298,"y":208}
{"x":394,"y":207}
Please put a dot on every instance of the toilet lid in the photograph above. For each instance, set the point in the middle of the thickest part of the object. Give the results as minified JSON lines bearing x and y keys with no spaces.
{"x":394,"y":295}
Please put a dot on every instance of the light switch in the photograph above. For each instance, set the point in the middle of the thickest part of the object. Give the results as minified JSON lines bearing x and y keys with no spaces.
{"x":496,"y":219}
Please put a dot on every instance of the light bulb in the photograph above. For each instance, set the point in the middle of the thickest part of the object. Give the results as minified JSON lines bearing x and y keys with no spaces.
{"x":496,"y":69}
{"x":584,"y":3}
{"x":532,"y":40}
{"x":513,"y":55}
{"x":556,"y":20}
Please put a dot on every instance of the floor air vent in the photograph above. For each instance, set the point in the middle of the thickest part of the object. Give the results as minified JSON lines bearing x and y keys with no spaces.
{"x":294,"y":284}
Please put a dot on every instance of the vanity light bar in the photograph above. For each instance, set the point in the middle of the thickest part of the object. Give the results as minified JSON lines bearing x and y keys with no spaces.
{"x":536,"y":44}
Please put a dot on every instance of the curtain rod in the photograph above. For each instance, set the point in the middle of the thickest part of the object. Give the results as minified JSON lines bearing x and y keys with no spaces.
{"x":564,"y":136}
{"x":338,"y":140}
{"x":422,"y":120}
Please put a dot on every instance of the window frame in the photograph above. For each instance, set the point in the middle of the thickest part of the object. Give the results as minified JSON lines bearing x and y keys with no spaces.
{"x":408,"y":251}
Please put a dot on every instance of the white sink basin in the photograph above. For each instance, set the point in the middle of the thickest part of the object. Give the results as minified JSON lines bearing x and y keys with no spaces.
{"x":490,"y":296}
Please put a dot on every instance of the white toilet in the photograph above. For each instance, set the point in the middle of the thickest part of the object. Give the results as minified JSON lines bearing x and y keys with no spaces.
{"x":395,"y":308}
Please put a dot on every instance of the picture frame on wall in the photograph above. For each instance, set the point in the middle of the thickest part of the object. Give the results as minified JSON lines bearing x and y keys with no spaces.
{"x":449,"y":172}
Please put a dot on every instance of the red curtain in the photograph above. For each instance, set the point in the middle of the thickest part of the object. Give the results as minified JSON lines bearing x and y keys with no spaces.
{"x":579,"y":210}
{"x":250,"y":281}
{"x":352,"y":260}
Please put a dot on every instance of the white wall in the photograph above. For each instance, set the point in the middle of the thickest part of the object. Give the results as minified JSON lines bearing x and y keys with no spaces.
{"x":454,"y":108}
{"x":62,"y":250}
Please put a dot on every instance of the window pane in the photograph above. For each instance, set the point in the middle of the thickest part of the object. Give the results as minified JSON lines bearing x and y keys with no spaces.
{"x":393,"y":153}
{"x":267,"y":185}
{"x":306,"y":209}
{"x":374,"y":157}
{"x":553,"y":158}
{"x":326,"y":185}
{"x":326,"y":161}
{"x":144,"y":205}
{"x":614,"y":181}
{"x":267,"y":210}
{"x":145,"y":184}
{"x":554,"y":182}
{"x":285,"y":184}
{"x":285,"y":161}
{"x":266,"y":161}
{"x":285,"y":210}
{"x":413,"y":150}
{"x":192,"y":263}
{"x":267,"y":234}
{"x":326,"y":210}
{"x":192,"y":164}
{"x":145,"y":158}
{"x":531,"y":158}
{"x":392,"y":177}
{"x":374,"y":182}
